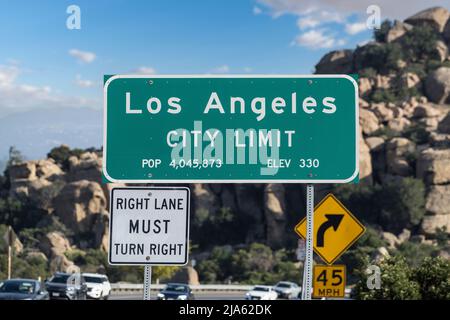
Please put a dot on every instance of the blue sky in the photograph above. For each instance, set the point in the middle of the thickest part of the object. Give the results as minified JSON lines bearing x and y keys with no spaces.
{"x":45,"y":65}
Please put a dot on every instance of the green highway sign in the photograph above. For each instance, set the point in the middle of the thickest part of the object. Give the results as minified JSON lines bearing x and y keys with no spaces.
{"x":252,"y":128}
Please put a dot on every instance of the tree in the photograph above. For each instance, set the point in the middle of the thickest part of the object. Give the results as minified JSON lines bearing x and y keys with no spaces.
{"x":396,"y":282}
{"x":402,"y":204}
{"x":15,"y":156}
{"x":381,"y":33}
{"x":420,"y":43}
{"x":433,"y":277}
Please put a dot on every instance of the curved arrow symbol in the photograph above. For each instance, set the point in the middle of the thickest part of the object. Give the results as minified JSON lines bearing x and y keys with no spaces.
{"x":333,"y":220}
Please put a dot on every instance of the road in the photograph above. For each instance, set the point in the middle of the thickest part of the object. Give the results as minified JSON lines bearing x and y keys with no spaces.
{"x":199,"y":296}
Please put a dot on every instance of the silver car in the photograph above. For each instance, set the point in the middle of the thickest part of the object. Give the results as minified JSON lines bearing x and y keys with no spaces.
{"x":287,"y":290}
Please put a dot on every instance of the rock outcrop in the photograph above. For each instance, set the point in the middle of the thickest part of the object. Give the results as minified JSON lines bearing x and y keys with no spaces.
{"x":436,"y":17}
{"x":437,"y":85}
{"x":81,"y":206}
{"x":335,"y":62}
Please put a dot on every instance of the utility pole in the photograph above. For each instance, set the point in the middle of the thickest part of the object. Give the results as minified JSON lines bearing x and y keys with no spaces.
{"x":10,"y":237}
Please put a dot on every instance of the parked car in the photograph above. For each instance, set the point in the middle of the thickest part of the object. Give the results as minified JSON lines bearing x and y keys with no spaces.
{"x":66,"y":286}
{"x":22,"y":289}
{"x":98,"y":286}
{"x":261,"y":293}
{"x":176,"y":291}
{"x":287,"y":290}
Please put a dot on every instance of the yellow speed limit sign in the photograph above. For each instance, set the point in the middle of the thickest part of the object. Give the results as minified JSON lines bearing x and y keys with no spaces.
{"x":329,"y":281}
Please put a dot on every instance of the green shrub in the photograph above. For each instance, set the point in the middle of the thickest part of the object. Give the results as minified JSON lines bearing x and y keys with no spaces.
{"x":402,"y":203}
{"x":381,"y":57}
{"x":368,"y":73}
{"x":433,"y":277}
{"x":417,"y":133}
{"x":396,"y":282}
{"x":383,"y":95}
{"x":420,"y":43}
{"x":62,"y":154}
{"x":396,"y":205}
{"x":414,"y":253}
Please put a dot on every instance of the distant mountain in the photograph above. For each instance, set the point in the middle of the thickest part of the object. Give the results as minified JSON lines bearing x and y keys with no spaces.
{"x":35,"y":132}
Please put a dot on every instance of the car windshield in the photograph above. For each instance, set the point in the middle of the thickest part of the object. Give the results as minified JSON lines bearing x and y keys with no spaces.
{"x":176,"y":288}
{"x":94,"y":279}
{"x":25,"y":287}
{"x":283,"y":285}
{"x":261,"y":289}
{"x":61,"y":278}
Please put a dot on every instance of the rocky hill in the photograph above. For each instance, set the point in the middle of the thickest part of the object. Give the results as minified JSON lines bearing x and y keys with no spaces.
{"x":58,"y":205}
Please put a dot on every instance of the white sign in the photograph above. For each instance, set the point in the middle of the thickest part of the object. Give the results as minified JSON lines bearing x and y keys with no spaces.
{"x":301,"y":250}
{"x":149,"y":226}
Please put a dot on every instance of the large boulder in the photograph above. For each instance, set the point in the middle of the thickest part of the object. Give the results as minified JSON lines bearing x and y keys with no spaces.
{"x":441,"y":51}
{"x":397,"y":31}
{"x":439,"y":140}
{"x":54,"y":244}
{"x":186,"y":275}
{"x":78,"y":203}
{"x":444,"y":124}
{"x":23,"y":171}
{"x":398,"y":124}
{"x":365,"y":162}
{"x":335,"y":62}
{"x":397,"y":151}
{"x":382,"y":111}
{"x":437,"y":85}
{"x":426,"y":111}
{"x":433,"y":166}
{"x":364,"y":86}
{"x":430,"y":224}
{"x":436,"y":17}
{"x":48,"y":169}
{"x":274,"y":209}
{"x":368,"y":121}
{"x":86,"y":167}
{"x":410,"y":80}
{"x":205,"y":201}
{"x":438,"y":200}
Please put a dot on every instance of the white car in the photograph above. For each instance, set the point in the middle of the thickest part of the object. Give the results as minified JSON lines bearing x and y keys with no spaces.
{"x":261,"y":293}
{"x":286,"y":289}
{"x":98,"y":285}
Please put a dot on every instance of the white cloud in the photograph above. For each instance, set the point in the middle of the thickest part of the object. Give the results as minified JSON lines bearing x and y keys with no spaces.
{"x":16,"y":96}
{"x":221,"y":69}
{"x":82,"y":56}
{"x":317,"y":39}
{"x":83,"y":83}
{"x":257,"y":10}
{"x":145,"y":70}
{"x":313,"y":14}
{"x":354,"y":28}
{"x":344,"y":8}
{"x":307,"y":22}
{"x":248,"y":69}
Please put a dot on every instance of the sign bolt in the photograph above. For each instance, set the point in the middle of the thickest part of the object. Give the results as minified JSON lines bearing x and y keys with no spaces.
{"x":147,"y":258}
{"x":149,"y":175}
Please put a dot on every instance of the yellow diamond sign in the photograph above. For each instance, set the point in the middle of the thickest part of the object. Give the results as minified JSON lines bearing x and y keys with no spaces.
{"x":335,"y":229}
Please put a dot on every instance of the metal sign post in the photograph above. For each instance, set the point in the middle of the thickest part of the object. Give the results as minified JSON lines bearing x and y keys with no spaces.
{"x":147,"y":281}
{"x":307,"y":270}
